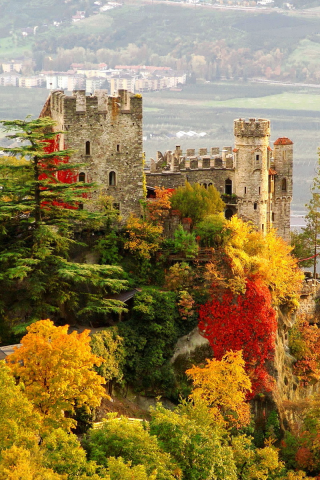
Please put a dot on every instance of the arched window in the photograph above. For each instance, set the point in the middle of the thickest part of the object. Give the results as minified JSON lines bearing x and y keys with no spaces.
{"x":228,"y":187}
{"x":82,"y":177}
{"x":228,"y":213}
{"x":88,"y":148}
{"x":204,"y":185}
{"x":284,"y":185}
{"x":112,"y":179}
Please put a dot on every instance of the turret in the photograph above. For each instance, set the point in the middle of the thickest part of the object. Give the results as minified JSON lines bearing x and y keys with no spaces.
{"x":282,"y":192}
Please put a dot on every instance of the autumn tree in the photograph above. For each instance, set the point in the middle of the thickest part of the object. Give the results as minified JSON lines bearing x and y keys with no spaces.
{"x":158,"y":207}
{"x":20,"y":423}
{"x":18,"y":463}
{"x":40,"y":217}
{"x":256,"y":463}
{"x":304,"y":342}
{"x":143,"y":238}
{"x":56,"y":370}
{"x":196,"y":201}
{"x":223,"y":385}
{"x":246,"y":322}
{"x":251,"y":254}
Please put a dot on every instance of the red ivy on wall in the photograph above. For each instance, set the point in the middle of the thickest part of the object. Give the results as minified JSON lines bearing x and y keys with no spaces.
{"x":244,"y":322}
{"x":63,"y":176}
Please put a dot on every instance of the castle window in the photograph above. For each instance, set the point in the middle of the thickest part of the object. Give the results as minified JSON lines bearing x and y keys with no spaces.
{"x":245,"y":190}
{"x":204,"y":185}
{"x":259,"y":190}
{"x":228,"y":187}
{"x":209,"y":184}
{"x":112,"y":179}
{"x":228,"y":213}
{"x":262,"y":227}
{"x":272,"y":216}
{"x":118,"y":148}
{"x":257,"y":158}
{"x":88,"y":148}
{"x":82,"y":177}
{"x":284,"y":185}
{"x":255,"y":206}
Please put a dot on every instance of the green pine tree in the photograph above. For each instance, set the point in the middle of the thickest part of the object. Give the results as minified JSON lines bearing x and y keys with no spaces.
{"x":42,"y":225}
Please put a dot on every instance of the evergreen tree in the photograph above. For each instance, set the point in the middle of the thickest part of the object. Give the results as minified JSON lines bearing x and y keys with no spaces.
{"x":42,"y":225}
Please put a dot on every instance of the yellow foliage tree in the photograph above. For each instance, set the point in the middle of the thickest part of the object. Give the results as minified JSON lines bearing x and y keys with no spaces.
{"x":57,"y":371}
{"x":223,"y":386}
{"x":268,"y":257}
{"x":17,"y":463}
{"x":143,"y":237}
{"x":256,"y":463}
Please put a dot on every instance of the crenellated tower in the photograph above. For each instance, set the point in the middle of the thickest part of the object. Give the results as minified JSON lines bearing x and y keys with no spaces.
{"x":106,"y":134}
{"x":252,"y":163}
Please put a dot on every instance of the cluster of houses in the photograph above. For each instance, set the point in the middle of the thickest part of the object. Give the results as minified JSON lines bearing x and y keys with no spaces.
{"x":134,"y":78}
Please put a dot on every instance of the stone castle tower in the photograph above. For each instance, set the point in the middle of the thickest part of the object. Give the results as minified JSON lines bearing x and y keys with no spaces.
{"x":106,"y":134}
{"x":263,"y":180}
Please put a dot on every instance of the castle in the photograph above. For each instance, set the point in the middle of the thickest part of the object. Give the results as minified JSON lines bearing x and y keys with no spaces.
{"x":106,"y":133}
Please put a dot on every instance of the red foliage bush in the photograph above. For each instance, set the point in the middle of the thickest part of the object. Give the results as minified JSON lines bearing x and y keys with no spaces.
{"x":244,"y":322}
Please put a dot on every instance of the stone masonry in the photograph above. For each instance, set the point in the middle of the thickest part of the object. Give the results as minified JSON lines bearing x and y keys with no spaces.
{"x":106,"y":134}
{"x":254,"y":180}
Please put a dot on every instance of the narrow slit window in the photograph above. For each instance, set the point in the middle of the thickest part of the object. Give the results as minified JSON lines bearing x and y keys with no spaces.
{"x":259,"y":190}
{"x":255,"y":206}
{"x":284,"y":185}
{"x":112,"y":179}
{"x":257,"y":158}
{"x":272,"y":216}
{"x":228,"y":187}
{"x":82,"y":177}
{"x":118,"y":148}
{"x":88,"y":148}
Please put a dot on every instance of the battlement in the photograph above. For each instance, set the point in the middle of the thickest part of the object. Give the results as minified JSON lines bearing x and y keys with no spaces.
{"x":252,"y":127}
{"x":176,"y":160}
{"x":99,"y":103}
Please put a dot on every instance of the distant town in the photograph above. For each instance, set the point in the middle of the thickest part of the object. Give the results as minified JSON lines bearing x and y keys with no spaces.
{"x":134,"y":78}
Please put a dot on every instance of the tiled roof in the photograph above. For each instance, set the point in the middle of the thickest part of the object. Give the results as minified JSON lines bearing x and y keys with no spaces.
{"x":283,"y":141}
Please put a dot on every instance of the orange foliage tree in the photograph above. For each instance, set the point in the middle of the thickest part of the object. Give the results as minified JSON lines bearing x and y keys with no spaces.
{"x":223,"y":385}
{"x":159,"y":207}
{"x":56,"y":369}
{"x":143,"y":238}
